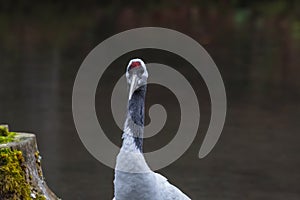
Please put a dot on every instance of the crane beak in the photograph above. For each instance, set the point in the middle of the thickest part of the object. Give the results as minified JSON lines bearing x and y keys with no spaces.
{"x":132,"y":86}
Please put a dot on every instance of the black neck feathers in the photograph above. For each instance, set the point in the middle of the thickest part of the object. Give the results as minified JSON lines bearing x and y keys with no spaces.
{"x":136,"y":106}
{"x":135,"y":115}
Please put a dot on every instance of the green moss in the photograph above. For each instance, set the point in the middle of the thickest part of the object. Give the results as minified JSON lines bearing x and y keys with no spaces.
{"x":13,"y":181}
{"x":41,"y":197}
{"x":5,"y":135}
{"x":13,"y":184}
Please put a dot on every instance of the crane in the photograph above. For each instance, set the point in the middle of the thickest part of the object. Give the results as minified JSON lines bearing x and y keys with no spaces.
{"x":134,"y":180}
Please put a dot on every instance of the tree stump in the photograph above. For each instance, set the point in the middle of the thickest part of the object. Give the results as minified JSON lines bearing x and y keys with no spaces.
{"x":21,"y":176}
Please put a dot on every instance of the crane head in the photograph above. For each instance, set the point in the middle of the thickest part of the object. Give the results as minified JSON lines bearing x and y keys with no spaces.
{"x":136,"y":74}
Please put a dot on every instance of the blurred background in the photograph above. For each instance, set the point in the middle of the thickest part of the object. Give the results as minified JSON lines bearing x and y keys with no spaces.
{"x":255,"y":44}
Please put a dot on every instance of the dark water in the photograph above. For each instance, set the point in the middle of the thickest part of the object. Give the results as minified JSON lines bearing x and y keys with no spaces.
{"x":257,"y":156}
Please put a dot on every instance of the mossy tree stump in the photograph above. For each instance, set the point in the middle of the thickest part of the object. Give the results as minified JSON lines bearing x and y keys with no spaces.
{"x":21,"y":176}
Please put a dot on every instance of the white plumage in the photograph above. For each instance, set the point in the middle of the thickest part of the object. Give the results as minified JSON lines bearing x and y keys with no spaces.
{"x":134,"y":180}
